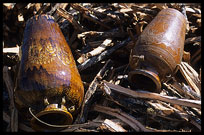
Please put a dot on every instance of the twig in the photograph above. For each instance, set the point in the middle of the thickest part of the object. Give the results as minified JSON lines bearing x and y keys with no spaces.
{"x":107,"y":13}
{"x":10,"y":88}
{"x":101,"y":48}
{"x":88,"y":15}
{"x":95,"y":43}
{"x":106,"y":43}
{"x":189,"y":90}
{"x":23,"y":127}
{"x":185,"y":92}
{"x":95,"y":19}
{"x":160,"y":130}
{"x":195,"y":124}
{"x":70,"y":18}
{"x":183,"y":10}
{"x":168,"y":87}
{"x":83,"y":130}
{"x":180,"y":114}
{"x":102,"y":56}
{"x":186,"y":56}
{"x":150,"y":95}
{"x":136,"y":125}
{"x":90,"y":124}
{"x":91,"y":90}
{"x":45,"y":7}
{"x":191,"y":76}
{"x":192,"y":40}
{"x":107,"y":34}
{"x":113,"y":126}
{"x":160,"y":107}
{"x":7,"y":119}
{"x":11,"y":50}
{"x":137,"y":8}
{"x":57,"y":6}
{"x":131,"y":35}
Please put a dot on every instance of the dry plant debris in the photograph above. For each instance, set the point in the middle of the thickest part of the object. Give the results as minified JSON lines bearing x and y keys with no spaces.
{"x":101,"y":36}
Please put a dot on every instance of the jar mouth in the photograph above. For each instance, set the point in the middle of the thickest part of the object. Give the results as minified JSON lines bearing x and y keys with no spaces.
{"x":52,"y":118}
{"x":145,"y":80}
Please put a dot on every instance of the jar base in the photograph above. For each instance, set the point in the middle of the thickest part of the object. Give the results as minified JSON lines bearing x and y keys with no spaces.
{"x":51,"y":118}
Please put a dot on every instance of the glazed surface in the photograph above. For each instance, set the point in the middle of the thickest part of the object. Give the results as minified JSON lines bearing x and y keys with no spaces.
{"x":47,"y":68}
{"x":161,"y":43}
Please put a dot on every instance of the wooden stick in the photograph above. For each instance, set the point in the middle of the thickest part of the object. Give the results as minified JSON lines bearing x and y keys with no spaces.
{"x":82,"y":130}
{"x":57,"y":6}
{"x":186,"y":56}
{"x":102,"y":56}
{"x":188,"y":89}
{"x":106,"y":43}
{"x":25,"y":128}
{"x":136,"y":125}
{"x":101,"y":48}
{"x":45,"y":7}
{"x":160,"y":107}
{"x":182,"y":115}
{"x":107,"y":34}
{"x":192,"y":94}
{"x":95,"y":19}
{"x":200,"y":74}
{"x":82,"y":58}
{"x":192,"y":71}
{"x":137,"y":8}
{"x":168,"y":87}
{"x":193,"y":40}
{"x":102,"y":12}
{"x":70,"y":18}
{"x":11,"y":50}
{"x":195,"y":124}
{"x":22,"y":126}
{"x":95,"y":44}
{"x":88,"y":15}
{"x":190,"y":76}
{"x":113,"y":125}
{"x":91,"y":90}
{"x":10,"y":88}
{"x":7,"y":119}
{"x":150,"y":95}
{"x":160,"y":130}
{"x":89,"y":124}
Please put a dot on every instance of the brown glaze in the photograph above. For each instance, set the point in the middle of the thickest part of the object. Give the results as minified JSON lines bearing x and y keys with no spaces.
{"x":158,"y":50}
{"x":47,"y":71}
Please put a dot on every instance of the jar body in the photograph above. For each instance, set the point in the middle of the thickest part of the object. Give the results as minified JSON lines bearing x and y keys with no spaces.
{"x":161,"y":47}
{"x":48,"y":75}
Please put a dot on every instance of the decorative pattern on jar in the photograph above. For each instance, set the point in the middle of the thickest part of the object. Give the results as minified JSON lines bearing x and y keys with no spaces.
{"x":158,"y":50}
{"x":48,"y":82}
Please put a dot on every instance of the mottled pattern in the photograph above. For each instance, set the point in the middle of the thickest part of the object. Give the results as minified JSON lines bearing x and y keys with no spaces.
{"x":47,"y":68}
{"x":161,"y":43}
{"x":47,"y":51}
{"x":164,"y":31}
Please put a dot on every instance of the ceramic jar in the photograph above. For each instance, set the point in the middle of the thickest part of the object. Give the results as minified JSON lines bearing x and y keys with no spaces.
{"x":158,"y":50}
